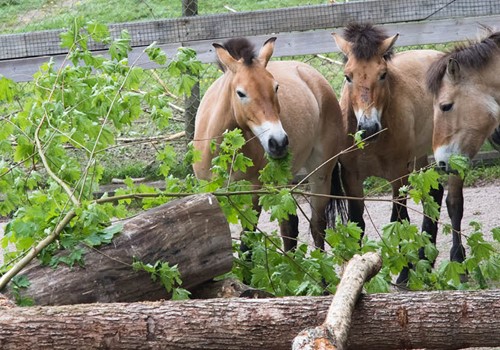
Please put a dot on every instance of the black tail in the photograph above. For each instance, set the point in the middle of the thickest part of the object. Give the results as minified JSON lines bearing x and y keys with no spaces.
{"x":337,"y":205}
{"x":495,"y":139}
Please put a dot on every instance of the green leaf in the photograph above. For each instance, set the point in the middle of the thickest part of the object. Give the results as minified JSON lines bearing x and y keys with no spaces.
{"x":378,"y":283}
{"x":7,"y":89}
{"x":121,"y":46}
{"x":451,"y":271}
{"x":496,"y":233}
{"x":98,"y":32}
{"x":21,"y":281}
{"x":277,"y":172}
{"x":431,"y":251}
{"x":358,"y":139}
{"x":460,"y":164}
{"x":156,"y":54}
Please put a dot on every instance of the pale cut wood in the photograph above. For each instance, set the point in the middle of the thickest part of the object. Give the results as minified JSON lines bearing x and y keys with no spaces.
{"x":332,"y":334}
{"x":288,"y":44}
{"x":430,"y":320}
{"x":192,"y":233}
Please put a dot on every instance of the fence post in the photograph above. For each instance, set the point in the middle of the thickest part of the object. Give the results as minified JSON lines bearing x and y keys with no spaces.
{"x":190,"y":8}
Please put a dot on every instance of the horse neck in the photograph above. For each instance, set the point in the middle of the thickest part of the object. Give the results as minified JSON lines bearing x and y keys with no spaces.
{"x":491,"y":78}
{"x":225,"y":119}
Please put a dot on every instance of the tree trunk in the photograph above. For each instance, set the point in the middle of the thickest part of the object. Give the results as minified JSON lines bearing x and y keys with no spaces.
{"x":192,"y":233}
{"x":431,"y":320}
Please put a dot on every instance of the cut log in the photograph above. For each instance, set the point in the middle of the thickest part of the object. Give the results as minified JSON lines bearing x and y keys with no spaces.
{"x":431,"y":320}
{"x":192,"y":233}
{"x":332,"y":334}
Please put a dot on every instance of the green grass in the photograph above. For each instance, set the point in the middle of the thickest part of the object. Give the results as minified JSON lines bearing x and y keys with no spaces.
{"x":35,"y":15}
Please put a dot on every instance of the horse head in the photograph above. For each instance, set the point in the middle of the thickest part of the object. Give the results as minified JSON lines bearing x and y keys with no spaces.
{"x":253,"y":92}
{"x":367,"y":51}
{"x":466,"y":100}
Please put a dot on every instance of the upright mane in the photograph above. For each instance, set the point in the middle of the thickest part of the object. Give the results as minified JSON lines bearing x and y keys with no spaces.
{"x":365,"y":40}
{"x":240,"y":48}
{"x":470,"y":55}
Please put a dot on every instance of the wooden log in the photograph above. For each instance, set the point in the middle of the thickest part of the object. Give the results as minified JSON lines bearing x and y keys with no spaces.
{"x":431,"y":320}
{"x":191,"y":232}
{"x":333,"y":333}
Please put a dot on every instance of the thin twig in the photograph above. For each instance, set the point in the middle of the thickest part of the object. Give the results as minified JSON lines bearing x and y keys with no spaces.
{"x":162,"y":83}
{"x":328,"y":59}
{"x":21,"y":264}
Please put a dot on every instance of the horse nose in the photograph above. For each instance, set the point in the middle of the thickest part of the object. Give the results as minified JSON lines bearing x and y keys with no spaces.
{"x":442,"y":165}
{"x":278,"y":148}
{"x":369,"y":130}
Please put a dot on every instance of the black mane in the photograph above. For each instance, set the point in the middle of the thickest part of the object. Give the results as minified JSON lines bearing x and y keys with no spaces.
{"x":470,"y":55}
{"x":240,"y":48}
{"x":365,"y":40}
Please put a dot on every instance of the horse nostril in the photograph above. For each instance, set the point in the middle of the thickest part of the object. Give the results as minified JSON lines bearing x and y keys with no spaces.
{"x":273,"y":144}
{"x":278,"y":147}
{"x":442,"y":164}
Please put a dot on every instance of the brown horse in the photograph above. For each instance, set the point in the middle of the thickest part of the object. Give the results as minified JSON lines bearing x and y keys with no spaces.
{"x":384,"y":95}
{"x":302,"y":116}
{"x":465,"y":83}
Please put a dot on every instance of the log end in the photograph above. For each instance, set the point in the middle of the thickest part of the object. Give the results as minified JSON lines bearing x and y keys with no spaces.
{"x":317,"y":338}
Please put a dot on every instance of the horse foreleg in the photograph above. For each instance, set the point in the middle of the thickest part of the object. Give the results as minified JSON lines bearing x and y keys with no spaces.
{"x":455,"y":206}
{"x":320,"y":183}
{"x":353,"y":187}
{"x":429,"y":224}
{"x":399,"y":209}
{"x":289,"y":232}
{"x":400,"y":213}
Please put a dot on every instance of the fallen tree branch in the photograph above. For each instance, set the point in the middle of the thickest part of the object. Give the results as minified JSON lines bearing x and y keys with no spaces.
{"x":431,"y":320}
{"x":332,"y":334}
{"x":191,"y":232}
{"x":33,"y":252}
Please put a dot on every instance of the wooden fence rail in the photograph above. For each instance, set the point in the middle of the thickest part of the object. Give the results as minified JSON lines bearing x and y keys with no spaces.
{"x":300,"y":30}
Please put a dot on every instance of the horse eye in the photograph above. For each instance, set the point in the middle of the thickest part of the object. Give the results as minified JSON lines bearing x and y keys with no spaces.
{"x":383,"y":76}
{"x":446,"y":107}
{"x":276,"y":88}
{"x":241,"y":94}
{"x":349,"y":80}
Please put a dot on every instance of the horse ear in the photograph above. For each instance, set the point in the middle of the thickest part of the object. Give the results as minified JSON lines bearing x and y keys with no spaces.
{"x":342,"y":44}
{"x":387,"y":44}
{"x":226,"y":60}
{"x":266,"y":51}
{"x":453,"y":69}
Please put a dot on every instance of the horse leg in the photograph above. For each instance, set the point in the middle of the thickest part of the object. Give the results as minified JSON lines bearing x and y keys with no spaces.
{"x":455,"y":206}
{"x":320,"y":183}
{"x":430,"y":225}
{"x":289,"y":232}
{"x":353,"y":186}
{"x":400,"y":213}
{"x":399,"y":209}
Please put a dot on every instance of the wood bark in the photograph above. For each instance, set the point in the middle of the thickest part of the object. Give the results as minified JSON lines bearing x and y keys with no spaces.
{"x":192,"y":233}
{"x":431,"y":320}
{"x":333,"y":333}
